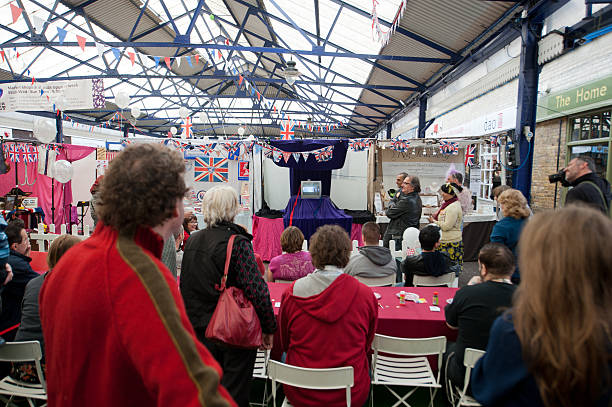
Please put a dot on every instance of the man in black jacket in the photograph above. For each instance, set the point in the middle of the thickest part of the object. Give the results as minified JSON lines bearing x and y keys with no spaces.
{"x":405,"y":212}
{"x":12,"y":295}
{"x":588,"y":187}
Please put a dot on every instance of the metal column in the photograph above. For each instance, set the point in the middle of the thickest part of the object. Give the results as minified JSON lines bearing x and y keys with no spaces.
{"x":422,"y":111}
{"x":531,"y":29}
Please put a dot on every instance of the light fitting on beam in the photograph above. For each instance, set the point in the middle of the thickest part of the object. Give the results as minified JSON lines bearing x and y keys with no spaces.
{"x":290,"y":73}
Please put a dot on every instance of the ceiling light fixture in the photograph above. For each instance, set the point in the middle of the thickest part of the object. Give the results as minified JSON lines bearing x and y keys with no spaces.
{"x":290,"y":73}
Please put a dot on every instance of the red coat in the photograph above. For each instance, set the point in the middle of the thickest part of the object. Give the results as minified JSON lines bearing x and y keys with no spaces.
{"x":116,"y":332}
{"x":334,"y":328}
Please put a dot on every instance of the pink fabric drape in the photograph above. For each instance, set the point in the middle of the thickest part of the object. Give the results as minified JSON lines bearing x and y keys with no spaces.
{"x":356,"y":233}
{"x":41,"y":184}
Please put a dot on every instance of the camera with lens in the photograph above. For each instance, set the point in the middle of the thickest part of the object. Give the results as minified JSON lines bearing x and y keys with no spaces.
{"x":559,"y":177}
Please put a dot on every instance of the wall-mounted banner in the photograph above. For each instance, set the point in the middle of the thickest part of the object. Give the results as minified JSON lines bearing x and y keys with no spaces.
{"x":73,"y":94}
{"x":490,"y":123}
{"x":243,"y":171}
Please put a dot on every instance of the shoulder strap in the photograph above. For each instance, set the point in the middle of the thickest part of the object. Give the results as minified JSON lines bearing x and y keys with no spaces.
{"x":603,"y":197}
{"x":228,"y":256}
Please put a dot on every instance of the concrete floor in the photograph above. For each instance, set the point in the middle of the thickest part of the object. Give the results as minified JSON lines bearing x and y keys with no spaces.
{"x":469,"y":270}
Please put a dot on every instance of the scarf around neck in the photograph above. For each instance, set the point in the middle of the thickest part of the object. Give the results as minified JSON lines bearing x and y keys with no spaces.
{"x":444,"y":205}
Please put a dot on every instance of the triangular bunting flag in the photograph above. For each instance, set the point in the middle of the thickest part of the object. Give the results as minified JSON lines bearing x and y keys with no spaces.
{"x":61,"y":33}
{"x":219,"y":54}
{"x":2,"y":53}
{"x":189,"y":61}
{"x":116,"y":53}
{"x":100,"y":49}
{"x":305,"y":155}
{"x":240,"y":77}
{"x":39,"y":23}
{"x":178,"y":62}
{"x":167,"y":61}
{"x":132,"y":57}
{"x":296,"y":156}
{"x":81,"y":41}
{"x":197,"y":57}
{"x":16,"y":12}
{"x":286,"y":156}
{"x":258,"y":96}
{"x":156,"y":59}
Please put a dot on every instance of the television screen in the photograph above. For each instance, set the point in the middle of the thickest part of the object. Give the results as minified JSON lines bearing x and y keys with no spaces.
{"x":311,"y":189}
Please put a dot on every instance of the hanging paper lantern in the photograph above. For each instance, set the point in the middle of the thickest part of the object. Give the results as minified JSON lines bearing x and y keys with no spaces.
{"x":183,"y":112}
{"x":241,"y":130}
{"x":135,"y":110}
{"x":63,"y":171}
{"x":173,"y":130}
{"x":44,"y":130}
{"x":122,"y":100}
{"x":203,"y":117}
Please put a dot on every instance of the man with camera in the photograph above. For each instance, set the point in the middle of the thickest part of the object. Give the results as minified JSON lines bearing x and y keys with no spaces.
{"x":587,"y":186}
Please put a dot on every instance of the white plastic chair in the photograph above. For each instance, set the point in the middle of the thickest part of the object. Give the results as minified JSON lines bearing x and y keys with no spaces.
{"x":470,"y":357}
{"x":377,"y":281}
{"x":260,"y":371}
{"x":389,"y":370}
{"x":430,"y":281}
{"x":318,"y":379}
{"x":23,"y":352}
{"x":284,"y":281}
{"x":410,"y":240}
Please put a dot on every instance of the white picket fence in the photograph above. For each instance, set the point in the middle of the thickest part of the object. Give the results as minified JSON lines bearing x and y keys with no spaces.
{"x":44,"y":239}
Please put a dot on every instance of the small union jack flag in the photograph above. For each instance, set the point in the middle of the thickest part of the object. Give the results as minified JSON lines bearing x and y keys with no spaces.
{"x":13,"y":153}
{"x":210,"y":169}
{"x":186,"y":126}
{"x":469,"y":155}
{"x":287,"y":132}
{"x":31,"y":154}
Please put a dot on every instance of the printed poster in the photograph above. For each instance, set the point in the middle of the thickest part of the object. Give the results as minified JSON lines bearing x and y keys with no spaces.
{"x":243,"y":171}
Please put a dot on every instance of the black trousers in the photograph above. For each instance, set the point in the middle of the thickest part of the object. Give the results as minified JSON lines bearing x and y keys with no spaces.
{"x":237,"y":365}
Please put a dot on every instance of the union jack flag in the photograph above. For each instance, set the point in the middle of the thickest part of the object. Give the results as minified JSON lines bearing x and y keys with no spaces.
{"x":31,"y":154}
{"x":469,"y":155}
{"x":210,"y":169}
{"x":186,"y":126}
{"x":13,"y":152}
{"x":494,"y":141}
{"x":207,"y":148}
{"x":287,"y":132}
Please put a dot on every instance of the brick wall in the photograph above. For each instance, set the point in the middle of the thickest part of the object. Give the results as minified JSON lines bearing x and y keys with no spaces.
{"x":545,"y":163}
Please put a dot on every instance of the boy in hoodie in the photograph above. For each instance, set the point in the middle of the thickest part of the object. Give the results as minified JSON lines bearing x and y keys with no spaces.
{"x":372,"y":260}
{"x":431,"y":262}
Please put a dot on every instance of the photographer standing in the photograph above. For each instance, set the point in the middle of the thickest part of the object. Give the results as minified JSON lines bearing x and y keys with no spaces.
{"x":587,"y":186}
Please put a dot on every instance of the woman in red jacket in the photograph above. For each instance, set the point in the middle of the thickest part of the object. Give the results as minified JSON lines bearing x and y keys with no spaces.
{"x":328,"y":319}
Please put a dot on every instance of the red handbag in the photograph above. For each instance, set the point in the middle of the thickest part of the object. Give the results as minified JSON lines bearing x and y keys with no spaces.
{"x":234,"y":322}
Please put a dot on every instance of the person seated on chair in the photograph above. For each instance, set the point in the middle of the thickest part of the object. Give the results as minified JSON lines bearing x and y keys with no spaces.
{"x":19,"y":260}
{"x":476,"y":306}
{"x":431,"y":262}
{"x":30,"y":328}
{"x":294,"y":263}
{"x":328,"y":319}
{"x":371,"y":260}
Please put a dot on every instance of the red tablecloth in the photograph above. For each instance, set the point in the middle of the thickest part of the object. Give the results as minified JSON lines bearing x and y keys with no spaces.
{"x":404,"y":321}
{"x":266,"y":236}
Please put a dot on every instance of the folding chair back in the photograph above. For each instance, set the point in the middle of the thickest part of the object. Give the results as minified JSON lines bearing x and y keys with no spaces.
{"x":283,"y":281}
{"x":413,"y":371}
{"x":318,"y":379}
{"x":470,"y":357}
{"x":23,"y":352}
{"x":429,"y":281}
{"x":377,"y":281}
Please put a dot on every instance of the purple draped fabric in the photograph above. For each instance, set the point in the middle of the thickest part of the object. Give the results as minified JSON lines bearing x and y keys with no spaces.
{"x":309,"y":214}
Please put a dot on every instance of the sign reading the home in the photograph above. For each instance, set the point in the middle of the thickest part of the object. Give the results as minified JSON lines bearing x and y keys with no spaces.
{"x":576,"y":99}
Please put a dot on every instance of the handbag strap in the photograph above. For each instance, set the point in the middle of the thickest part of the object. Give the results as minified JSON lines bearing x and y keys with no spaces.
{"x":228,"y":255}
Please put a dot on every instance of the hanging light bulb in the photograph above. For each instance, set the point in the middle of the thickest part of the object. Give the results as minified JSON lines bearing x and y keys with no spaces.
{"x":424,"y":151}
{"x":414,"y":151}
{"x":433,"y":151}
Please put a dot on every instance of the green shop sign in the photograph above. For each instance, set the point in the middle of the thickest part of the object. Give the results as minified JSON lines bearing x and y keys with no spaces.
{"x":588,"y":96}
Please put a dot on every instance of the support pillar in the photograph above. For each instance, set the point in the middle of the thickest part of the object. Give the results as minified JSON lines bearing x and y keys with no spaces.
{"x":422,"y":111}
{"x":531,"y":29}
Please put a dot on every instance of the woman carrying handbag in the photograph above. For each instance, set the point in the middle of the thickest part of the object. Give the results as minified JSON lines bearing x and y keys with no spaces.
{"x":206,"y":291}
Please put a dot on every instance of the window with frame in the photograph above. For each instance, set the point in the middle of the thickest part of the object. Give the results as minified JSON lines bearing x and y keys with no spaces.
{"x":589,"y":134}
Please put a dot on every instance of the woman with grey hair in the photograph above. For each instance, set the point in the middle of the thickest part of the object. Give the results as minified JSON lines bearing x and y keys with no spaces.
{"x":202,"y":269}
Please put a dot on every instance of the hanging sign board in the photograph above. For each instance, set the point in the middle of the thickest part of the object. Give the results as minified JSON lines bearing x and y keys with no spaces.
{"x":75,"y":94}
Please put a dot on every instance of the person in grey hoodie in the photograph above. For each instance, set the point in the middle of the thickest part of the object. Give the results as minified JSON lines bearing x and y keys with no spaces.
{"x":371,"y":260}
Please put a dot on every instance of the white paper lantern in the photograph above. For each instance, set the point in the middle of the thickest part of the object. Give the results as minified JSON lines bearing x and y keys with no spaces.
{"x":251,"y":138}
{"x":173,"y":130}
{"x":241,"y":130}
{"x":60,"y":103}
{"x":135,"y":110}
{"x":183,"y":112}
{"x":203,"y":117}
{"x":44,"y":130}
{"x":122,"y":100}
{"x":63,"y":171}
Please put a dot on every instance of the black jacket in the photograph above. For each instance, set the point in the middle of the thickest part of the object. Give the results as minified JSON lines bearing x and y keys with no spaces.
{"x":585,"y":192}
{"x":14,"y":290}
{"x":432,"y":264}
{"x":404,"y":213}
{"x":202,"y":269}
